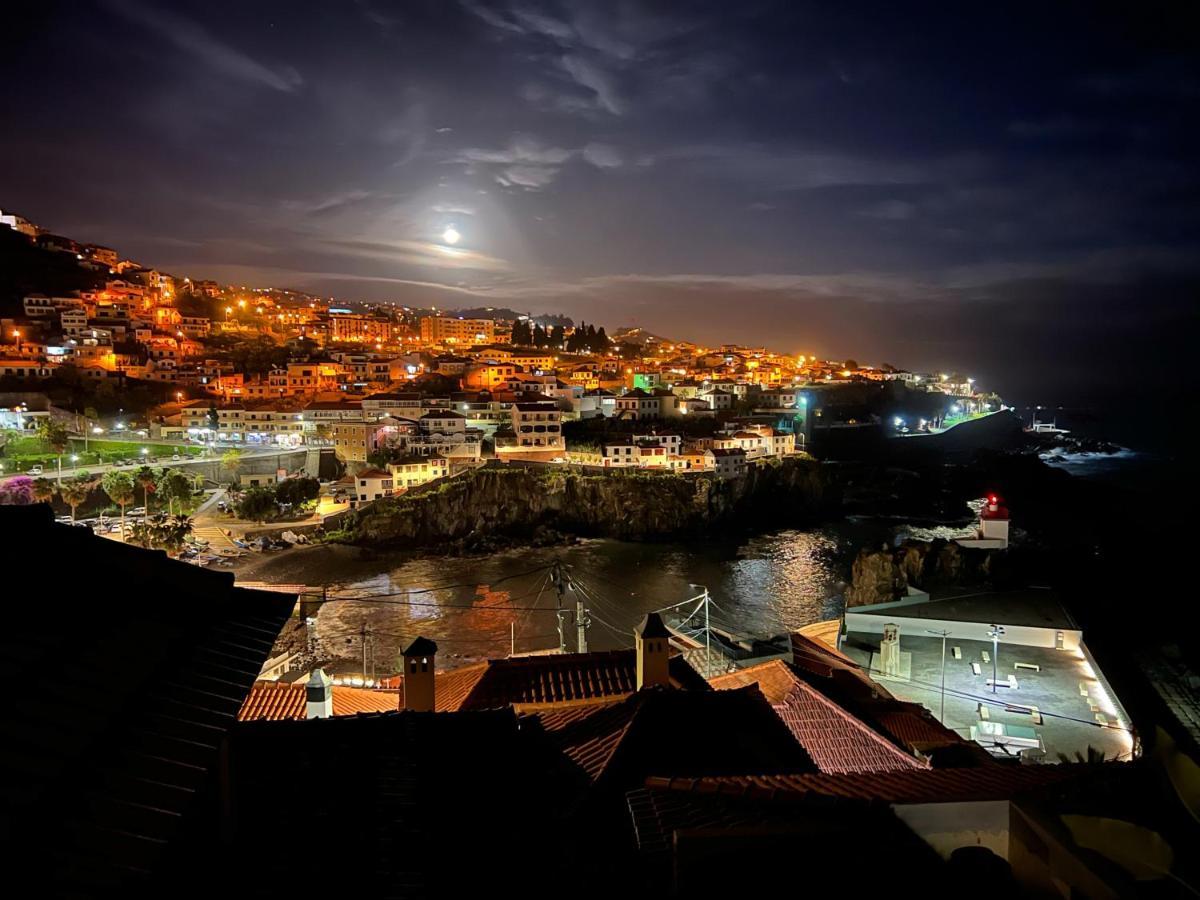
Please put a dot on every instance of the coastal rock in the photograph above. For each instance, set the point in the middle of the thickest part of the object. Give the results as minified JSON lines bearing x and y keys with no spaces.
{"x":880,"y":576}
{"x":877,"y":576}
{"x":544,"y":504}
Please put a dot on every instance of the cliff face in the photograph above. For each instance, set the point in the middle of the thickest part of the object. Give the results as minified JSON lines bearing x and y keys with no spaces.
{"x":514,"y":503}
{"x":880,"y":576}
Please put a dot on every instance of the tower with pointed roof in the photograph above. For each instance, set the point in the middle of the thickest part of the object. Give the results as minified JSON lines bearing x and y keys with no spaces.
{"x":653,"y":649}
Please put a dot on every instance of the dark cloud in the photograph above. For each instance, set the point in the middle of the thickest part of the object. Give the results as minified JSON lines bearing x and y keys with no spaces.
{"x":882,"y":181}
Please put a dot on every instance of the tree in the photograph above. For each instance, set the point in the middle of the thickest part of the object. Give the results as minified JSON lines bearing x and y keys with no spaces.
{"x":257,"y":504}
{"x":214,"y":418}
{"x":149,"y":481}
{"x":121,"y":489}
{"x":297,"y":491}
{"x":851,"y":364}
{"x":76,"y":490}
{"x":557,"y":336}
{"x":55,"y":436}
{"x":18,"y":491}
{"x":44,"y":490}
{"x":231,"y":460}
{"x":161,"y":532}
{"x":520,"y":333}
{"x":174,"y":485}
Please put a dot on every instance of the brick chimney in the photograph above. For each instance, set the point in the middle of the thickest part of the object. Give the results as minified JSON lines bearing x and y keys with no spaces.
{"x":318,"y":696}
{"x":418,"y":675}
{"x":653,"y":651}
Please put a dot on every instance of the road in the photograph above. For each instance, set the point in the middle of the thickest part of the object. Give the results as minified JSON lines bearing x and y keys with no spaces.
{"x":162,"y":462}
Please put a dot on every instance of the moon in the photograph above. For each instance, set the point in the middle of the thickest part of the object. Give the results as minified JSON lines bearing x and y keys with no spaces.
{"x":451,"y":235}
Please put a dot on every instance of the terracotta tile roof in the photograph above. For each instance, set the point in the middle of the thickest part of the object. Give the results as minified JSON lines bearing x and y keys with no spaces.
{"x":773,"y":678}
{"x":275,"y":700}
{"x":589,"y":733}
{"x":551,"y":680}
{"x":835,"y":739}
{"x":841,"y":680}
{"x":998,"y":782}
{"x":679,"y":731}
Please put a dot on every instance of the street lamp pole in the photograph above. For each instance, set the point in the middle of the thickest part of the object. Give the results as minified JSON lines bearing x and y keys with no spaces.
{"x":996,"y":631}
{"x":942,"y":635}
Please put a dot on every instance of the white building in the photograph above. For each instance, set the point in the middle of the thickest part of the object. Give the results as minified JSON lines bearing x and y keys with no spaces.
{"x":538,"y":427}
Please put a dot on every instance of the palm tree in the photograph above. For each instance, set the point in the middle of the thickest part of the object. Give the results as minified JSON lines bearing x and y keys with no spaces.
{"x":232,"y":460}
{"x":121,"y":490}
{"x":55,"y":436}
{"x":1094,"y":757}
{"x":75,"y":491}
{"x":149,"y":481}
{"x":161,"y":532}
{"x":44,"y":490}
{"x":174,"y":485}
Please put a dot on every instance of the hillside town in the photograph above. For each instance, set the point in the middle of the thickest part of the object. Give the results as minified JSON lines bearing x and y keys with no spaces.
{"x":405,"y":396}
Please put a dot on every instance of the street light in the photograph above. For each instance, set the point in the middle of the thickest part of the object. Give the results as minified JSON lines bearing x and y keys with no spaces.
{"x":707,"y":631}
{"x":995,"y":633}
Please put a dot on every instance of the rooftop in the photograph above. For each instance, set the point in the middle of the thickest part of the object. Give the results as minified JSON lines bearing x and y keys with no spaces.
{"x":530,"y":682}
{"x":106,"y":758}
{"x":275,"y":700}
{"x":836,"y":740}
{"x":1068,"y":723}
{"x":1022,"y":607}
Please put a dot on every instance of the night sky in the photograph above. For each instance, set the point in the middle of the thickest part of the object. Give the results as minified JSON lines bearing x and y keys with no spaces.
{"x":1008,"y":191}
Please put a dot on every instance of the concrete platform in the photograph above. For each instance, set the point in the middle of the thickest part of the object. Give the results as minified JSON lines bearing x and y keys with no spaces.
{"x":1068,"y":718}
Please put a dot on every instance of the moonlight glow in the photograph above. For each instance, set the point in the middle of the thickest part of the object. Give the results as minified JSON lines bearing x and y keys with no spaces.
{"x":451,"y":235}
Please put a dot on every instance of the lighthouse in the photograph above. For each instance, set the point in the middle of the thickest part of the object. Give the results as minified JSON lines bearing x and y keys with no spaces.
{"x":992,"y":533}
{"x":993,"y":521}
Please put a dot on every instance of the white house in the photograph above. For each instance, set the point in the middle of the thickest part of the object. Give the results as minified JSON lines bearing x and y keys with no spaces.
{"x":372,"y":484}
{"x":727,"y":463}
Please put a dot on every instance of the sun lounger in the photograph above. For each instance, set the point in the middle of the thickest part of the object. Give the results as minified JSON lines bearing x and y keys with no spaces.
{"x":987,"y":657}
{"x":976,"y":669}
{"x":1032,"y":667}
{"x":957,"y":651}
{"x":983,"y":712}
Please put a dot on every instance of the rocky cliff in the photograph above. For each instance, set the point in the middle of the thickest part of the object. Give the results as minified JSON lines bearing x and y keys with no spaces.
{"x":499,"y":503}
{"x":880,"y":576}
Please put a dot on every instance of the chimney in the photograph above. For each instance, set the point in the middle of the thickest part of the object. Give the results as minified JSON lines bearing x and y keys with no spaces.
{"x":418,"y":675}
{"x":318,"y":696}
{"x":653,"y":652}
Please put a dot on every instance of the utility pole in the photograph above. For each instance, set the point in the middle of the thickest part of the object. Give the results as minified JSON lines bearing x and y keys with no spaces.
{"x":560,"y":613}
{"x":364,"y":635}
{"x":707,"y":639}
{"x":581,"y":623}
{"x":942,"y":635}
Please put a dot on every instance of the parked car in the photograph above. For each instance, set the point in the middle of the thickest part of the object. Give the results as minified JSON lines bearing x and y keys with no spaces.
{"x":35,"y":470}
{"x":176,"y":457}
